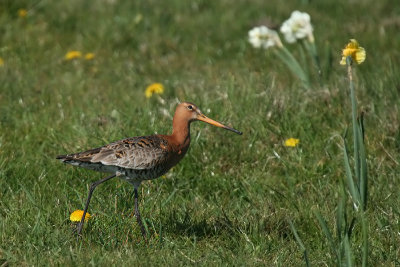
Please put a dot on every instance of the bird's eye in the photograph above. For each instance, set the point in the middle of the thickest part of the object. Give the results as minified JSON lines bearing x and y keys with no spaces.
{"x":190,"y":107}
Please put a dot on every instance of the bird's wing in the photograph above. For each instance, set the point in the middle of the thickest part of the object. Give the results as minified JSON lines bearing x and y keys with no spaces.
{"x":143,"y":152}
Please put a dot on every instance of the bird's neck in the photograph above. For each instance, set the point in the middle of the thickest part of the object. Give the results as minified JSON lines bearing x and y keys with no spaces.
{"x":181,"y":132}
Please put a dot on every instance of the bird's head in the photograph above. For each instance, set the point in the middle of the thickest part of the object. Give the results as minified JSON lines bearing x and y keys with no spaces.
{"x":191,"y":112}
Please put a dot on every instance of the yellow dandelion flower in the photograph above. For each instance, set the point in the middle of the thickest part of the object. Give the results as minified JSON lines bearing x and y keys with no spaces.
{"x":76,"y":216}
{"x":89,"y":56}
{"x":292,"y":142}
{"x":72,"y":55}
{"x":156,"y":88}
{"x":22,"y":13}
{"x":1,"y":62}
{"x":354,"y":50}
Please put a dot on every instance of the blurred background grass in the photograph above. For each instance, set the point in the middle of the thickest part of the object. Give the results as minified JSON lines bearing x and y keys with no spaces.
{"x":229,"y":200}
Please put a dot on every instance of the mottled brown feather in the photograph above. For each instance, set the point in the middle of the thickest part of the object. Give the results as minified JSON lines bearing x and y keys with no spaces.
{"x":138,"y":153}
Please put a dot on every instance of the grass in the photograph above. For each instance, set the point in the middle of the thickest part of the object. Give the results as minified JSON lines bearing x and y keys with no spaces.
{"x":231,"y":198}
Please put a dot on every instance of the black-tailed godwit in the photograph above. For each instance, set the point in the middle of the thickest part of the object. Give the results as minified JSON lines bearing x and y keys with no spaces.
{"x":141,"y":158}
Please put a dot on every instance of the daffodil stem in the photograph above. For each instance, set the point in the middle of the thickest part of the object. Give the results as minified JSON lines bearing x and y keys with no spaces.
{"x":312,"y":49}
{"x":354,"y":121}
{"x":293,"y":65}
{"x":359,"y":157}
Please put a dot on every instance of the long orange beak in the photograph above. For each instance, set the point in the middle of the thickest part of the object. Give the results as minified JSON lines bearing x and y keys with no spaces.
{"x":202,"y":117}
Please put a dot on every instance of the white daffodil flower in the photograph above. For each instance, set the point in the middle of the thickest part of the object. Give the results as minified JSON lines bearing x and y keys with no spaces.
{"x":263,"y":37}
{"x":298,"y":26}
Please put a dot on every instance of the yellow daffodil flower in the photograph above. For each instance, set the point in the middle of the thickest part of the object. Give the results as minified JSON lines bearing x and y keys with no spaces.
{"x":292,"y":142}
{"x":76,"y":216}
{"x":354,"y":50}
{"x":156,"y":88}
{"x":72,"y":55}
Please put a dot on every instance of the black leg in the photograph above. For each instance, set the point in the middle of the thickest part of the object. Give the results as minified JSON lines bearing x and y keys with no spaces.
{"x":137,"y":215}
{"x":91,"y":189}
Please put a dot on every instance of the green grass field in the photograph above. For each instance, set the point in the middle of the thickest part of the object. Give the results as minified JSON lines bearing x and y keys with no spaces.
{"x":229,"y":201}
